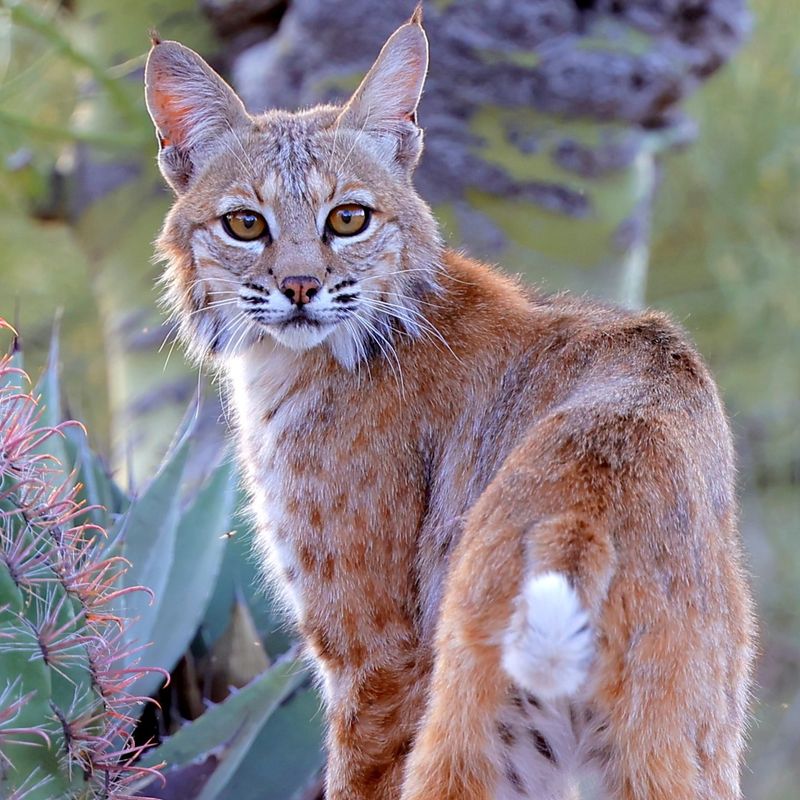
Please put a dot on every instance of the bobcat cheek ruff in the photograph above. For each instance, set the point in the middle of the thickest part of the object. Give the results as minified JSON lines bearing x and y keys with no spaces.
{"x":503,"y":523}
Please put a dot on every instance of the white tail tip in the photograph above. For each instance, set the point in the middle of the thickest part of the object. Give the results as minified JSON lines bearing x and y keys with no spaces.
{"x":548,"y":646}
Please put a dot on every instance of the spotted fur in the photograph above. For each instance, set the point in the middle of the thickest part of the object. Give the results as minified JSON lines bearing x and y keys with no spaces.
{"x":503,"y":523}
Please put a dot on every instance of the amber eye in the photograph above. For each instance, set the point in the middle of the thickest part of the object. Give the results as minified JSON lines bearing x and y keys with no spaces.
{"x":245,"y":225}
{"x":348,"y":220}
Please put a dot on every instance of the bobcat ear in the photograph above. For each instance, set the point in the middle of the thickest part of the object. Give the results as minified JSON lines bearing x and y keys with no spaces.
{"x":385,"y":104}
{"x":190,"y":105}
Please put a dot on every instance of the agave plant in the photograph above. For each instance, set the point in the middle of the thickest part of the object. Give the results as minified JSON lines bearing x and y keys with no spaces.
{"x":83,"y":645}
{"x":66,"y":709}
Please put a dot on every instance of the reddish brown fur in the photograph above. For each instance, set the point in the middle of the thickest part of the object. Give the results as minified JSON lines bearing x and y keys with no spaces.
{"x":628,"y":491}
{"x":402,"y":513}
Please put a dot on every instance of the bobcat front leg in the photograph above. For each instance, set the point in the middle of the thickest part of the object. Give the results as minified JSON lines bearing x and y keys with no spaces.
{"x":372,"y":720}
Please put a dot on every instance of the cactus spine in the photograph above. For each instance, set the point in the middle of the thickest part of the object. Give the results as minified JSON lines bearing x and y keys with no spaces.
{"x":66,"y":714}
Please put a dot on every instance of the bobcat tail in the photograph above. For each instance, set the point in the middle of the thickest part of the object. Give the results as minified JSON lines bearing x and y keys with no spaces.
{"x":548,"y":647}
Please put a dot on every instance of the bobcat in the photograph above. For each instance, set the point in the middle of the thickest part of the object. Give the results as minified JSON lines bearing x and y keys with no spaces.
{"x":503,"y":522}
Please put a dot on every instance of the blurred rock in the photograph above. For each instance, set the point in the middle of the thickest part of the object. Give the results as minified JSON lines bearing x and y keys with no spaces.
{"x":631,"y":60}
{"x":243,"y":22}
{"x":521,"y":98}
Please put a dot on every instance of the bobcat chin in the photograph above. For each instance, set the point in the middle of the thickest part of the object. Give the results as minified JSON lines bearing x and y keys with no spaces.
{"x":504,"y":523}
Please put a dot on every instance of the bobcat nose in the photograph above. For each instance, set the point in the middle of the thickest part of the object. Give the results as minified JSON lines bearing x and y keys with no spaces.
{"x":300,"y":288}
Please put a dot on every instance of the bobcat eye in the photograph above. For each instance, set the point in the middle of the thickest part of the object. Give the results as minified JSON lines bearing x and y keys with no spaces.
{"x":244,"y":225}
{"x":348,"y":220}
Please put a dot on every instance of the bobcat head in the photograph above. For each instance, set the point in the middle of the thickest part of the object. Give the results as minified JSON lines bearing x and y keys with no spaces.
{"x":300,"y":226}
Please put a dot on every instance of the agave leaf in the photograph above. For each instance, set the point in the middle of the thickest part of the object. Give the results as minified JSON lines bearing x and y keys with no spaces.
{"x":98,"y":489}
{"x":48,"y":389}
{"x":199,"y":549}
{"x":240,"y":576}
{"x":221,"y":738}
{"x":285,"y":756}
{"x":237,"y":656}
{"x":148,"y":532}
{"x":49,"y":385}
{"x":14,"y":378}
{"x":189,"y":779}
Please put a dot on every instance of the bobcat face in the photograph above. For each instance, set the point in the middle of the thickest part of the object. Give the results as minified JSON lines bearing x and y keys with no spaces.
{"x":296,"y":248}
{"x":304,"y":226}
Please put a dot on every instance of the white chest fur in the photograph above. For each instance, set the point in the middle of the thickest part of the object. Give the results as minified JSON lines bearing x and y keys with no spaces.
{"x":266,"y":404}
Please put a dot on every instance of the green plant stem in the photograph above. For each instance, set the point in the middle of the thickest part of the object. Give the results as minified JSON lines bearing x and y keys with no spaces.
{"x":109,"y":141}
{"x":24,"y":16}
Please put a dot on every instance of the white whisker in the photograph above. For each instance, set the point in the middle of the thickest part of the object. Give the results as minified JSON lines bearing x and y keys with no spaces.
{"x":358,"y":345}
{"x":171,"y":348}
{"x":231,"y":329}
{"x":381,"y":293}
{"x":172,"y":330}
{"x":242,"y":325}
{"x":430,"y":270}
{"x":391,"y":356}
{"x":230,"y":301}
{"x":245,"y":331}
{"x":169,"y":354}
{"x":333,"y":145}
{"x":207,"y":281}
{"x":249,"y":170}
{"x":417,"y":319}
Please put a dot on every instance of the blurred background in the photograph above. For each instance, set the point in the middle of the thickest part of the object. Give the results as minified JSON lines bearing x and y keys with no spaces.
{"x":644,"y":151}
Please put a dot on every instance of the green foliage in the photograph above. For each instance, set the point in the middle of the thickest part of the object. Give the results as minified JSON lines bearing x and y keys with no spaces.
{"x":581,"y":249}
{"x":207,"y":753}
{"x":71,"y":105}
{"x":66,"y":719}
{"x":286,"y":755}
{"x":725,"y":263}
{"x":77,"y":629}
{"x":199,"y":545}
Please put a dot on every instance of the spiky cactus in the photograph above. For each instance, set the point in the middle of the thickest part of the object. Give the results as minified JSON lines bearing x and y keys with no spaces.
{"x":75,"y":550}
{"x":66,"y":713}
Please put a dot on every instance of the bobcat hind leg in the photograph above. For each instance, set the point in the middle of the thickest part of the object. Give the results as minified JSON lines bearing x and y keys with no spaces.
{"x":516,"y":613}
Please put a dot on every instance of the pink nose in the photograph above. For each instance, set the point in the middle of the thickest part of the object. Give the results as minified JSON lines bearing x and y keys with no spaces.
{"x":300,"y":288}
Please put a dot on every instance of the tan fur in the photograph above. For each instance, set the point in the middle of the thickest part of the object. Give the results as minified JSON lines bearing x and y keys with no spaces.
{"x":416,"y":454}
